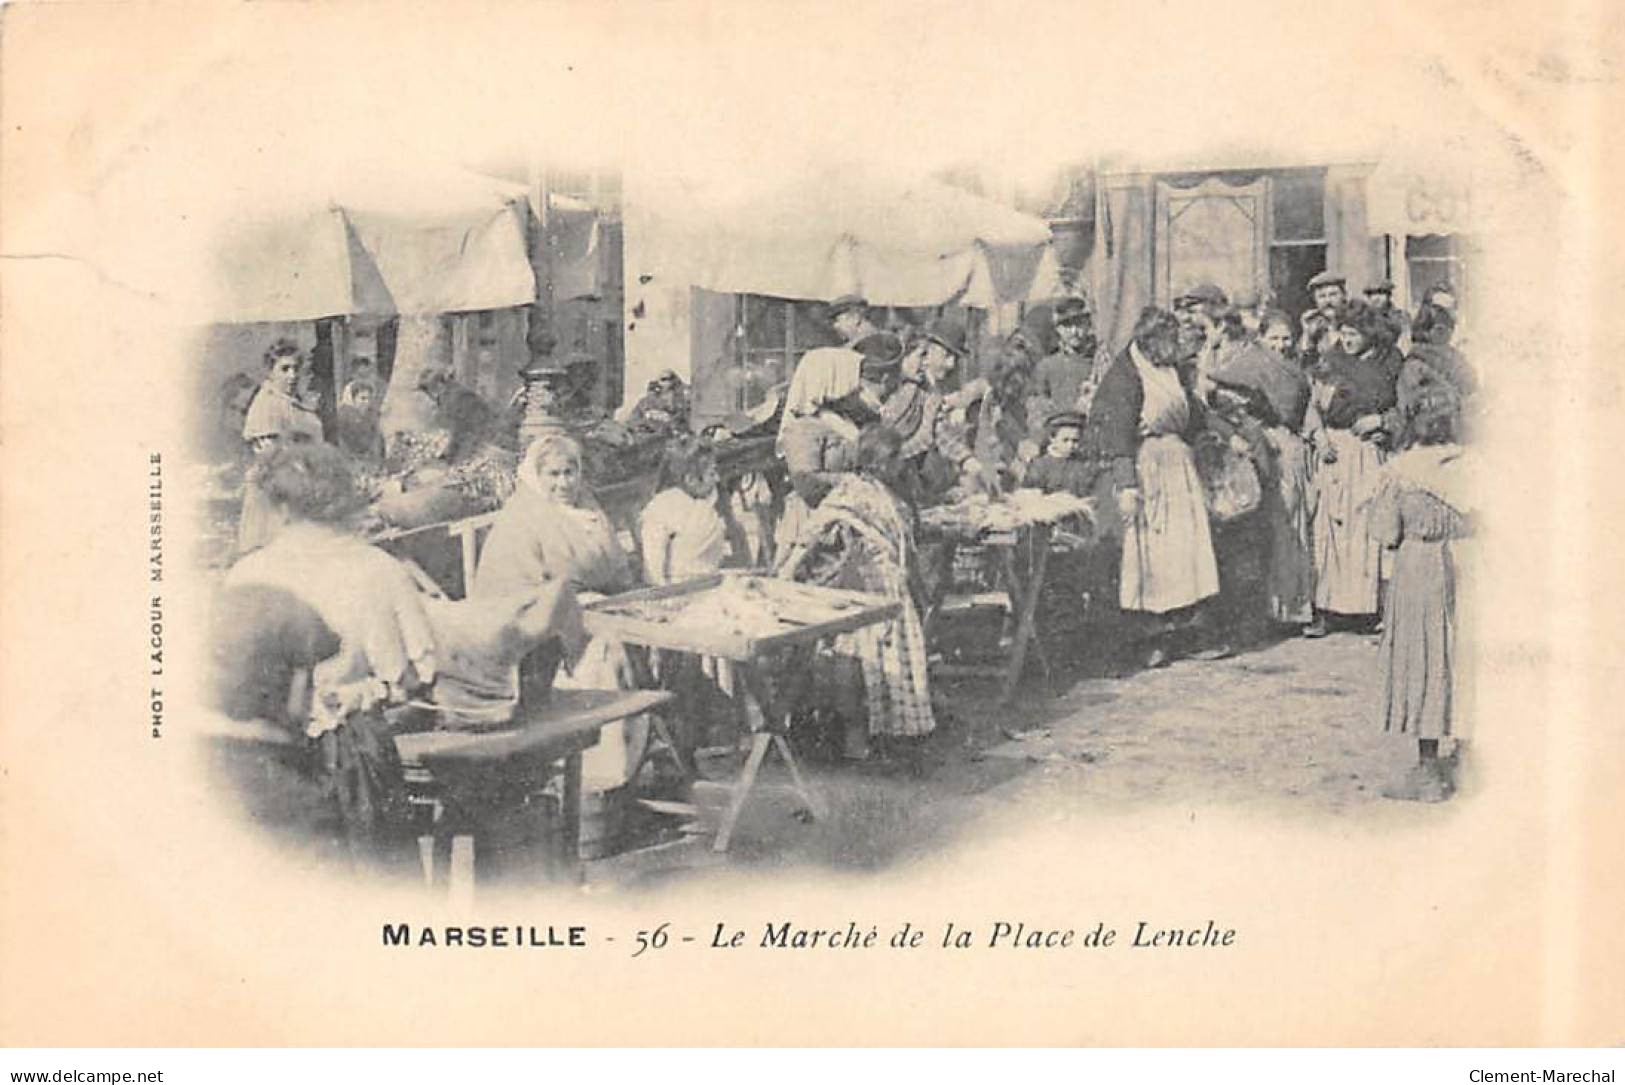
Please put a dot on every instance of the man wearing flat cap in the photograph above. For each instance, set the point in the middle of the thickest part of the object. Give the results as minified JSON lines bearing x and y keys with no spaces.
{"x":849,"y":316}
{"x":1379,"y":296}
{"x":1065,"y":380}
{"x":882,"y":362}
{"x":1329,"y":292}
{"x":1198,"y":311}
{"x":927,"y":415}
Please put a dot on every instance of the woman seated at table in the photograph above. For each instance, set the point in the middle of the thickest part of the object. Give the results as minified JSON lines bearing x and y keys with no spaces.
{"x":861,"y":537}
{"x":387,"y":635}
{"x":552,"y":531}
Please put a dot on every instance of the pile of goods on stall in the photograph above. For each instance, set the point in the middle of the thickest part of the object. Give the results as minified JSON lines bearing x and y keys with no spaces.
{"x":414,"y":486}
{"x":981,"y":514}
{"x":747,"y":606}
{"x":612,"y":452}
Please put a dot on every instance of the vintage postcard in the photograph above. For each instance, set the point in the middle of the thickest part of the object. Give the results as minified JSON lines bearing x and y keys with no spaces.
{"x":546,"y":524}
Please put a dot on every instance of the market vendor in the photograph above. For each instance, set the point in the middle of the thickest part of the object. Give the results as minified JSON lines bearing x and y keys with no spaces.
{"x":276,"y":417}
{"x":879,"y":372}
{"x":1060,"y":469}
{"x":358,"y":430}
{"x":861,"y":537}
{"x":1006,"y":433}
{"x":1433,"y":368}
{"x":1380,"y":297}
{"x":1320,"y":323}
{"x":551,"y":530}
{"x":370,"y":631}
{"x":818,"y":435}
{"x":1137,"y":425}
{"x":682,"y":534}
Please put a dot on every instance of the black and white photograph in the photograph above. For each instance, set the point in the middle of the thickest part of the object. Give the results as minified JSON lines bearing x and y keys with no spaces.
{"x":703,"y":524}
{"x":580,"y":527}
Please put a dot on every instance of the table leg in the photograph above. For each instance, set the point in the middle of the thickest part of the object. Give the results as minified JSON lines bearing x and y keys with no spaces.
{"x":570,"y":820}
{"x":426,"y":849}
{"x":1026,"y":601}
{"x":765,"y":734}
{"x":759,"y":743}
{"x":808,"y":797}
{"x":460,"y":871}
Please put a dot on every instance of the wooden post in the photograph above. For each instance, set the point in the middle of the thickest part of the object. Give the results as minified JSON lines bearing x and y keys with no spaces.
{"x":540,"y":332}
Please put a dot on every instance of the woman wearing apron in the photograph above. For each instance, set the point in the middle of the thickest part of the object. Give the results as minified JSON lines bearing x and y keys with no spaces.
{"x":1139,"y":416}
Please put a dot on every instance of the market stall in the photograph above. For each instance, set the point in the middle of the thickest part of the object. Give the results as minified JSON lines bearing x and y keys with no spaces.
{"x":748,"y":620}
{"x":1018,"y":533}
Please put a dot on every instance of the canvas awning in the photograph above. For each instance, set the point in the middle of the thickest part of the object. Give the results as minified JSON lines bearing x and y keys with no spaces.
{"x":255,"y":244}
{"x":834,"y":232}
{"x":457,"y":243}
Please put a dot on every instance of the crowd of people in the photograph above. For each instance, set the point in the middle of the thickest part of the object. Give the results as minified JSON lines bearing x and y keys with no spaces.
{"x":1253,"y":475}
{"x":1249,"y":474}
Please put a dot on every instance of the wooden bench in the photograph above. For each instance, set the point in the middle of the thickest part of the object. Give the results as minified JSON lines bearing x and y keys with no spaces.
{"x":475,"y":779}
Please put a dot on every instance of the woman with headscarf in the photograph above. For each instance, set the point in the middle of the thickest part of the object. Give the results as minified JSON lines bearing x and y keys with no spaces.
{"x":1421,"y":504}
{"x":359,"y":434}
{"x":818,"y":436}
{"x":1433,"y":368}
{"x":552,"y":531}
{"x":861,"y":537}
{"x":276,"y":417}
{"x":1353,"y":396}
{"x":1137,"y":425}
{"x":1264,"y":396}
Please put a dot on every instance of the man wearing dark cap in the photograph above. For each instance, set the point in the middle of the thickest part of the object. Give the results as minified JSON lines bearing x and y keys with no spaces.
{"x":1329,"y":292}
{"x":1202,"y":295}
{"x":921,"y":409}
{"x":1380,"y":297}
{"x":1198,"y":311}
{"x":882,"y":361}
{"x":1066,"y":378}
{"x":849,"y":316}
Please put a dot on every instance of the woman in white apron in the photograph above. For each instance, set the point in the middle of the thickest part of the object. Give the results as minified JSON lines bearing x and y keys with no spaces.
{"x":1138,"y":417}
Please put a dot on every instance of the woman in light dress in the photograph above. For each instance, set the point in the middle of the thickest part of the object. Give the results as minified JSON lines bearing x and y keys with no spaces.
{"x":276,"y":417}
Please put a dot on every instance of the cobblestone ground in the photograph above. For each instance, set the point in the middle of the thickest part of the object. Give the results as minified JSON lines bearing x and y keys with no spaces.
{"x":1287,"y":726}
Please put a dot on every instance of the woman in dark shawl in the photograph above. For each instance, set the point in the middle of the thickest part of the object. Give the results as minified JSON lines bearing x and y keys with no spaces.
{"x":1354,"y":393}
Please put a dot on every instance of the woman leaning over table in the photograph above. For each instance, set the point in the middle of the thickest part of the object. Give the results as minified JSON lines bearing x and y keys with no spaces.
{"x":819,"y":434}
{"x":861,"y":537}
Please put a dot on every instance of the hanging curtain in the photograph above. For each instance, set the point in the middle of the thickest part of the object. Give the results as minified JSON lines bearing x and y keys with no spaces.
{"x":1120,"y":268}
